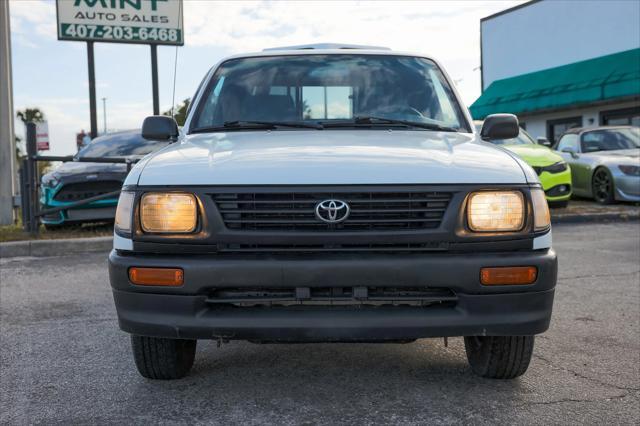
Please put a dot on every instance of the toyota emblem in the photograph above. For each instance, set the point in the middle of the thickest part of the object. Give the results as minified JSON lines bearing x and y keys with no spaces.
{"x":332,"y":211}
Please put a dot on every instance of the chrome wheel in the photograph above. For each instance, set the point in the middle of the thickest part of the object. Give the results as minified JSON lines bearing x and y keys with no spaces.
{"x":603,"y":186}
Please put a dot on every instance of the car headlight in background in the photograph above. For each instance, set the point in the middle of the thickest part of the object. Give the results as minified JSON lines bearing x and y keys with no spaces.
{"x":50,"y":181}
{"x":124,"y":211}
{"x":541,"y":215}
{"x":630,"y":170}
{"x":558,"y":167}
{"x":497,"y":211}
{"x":168,"y":213}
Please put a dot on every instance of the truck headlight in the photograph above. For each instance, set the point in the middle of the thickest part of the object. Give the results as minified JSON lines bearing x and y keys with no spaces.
{"x":168,"y":212}
{"x":497,"y":211}
{"x":541,"y":215}
{"x":124,"y":211}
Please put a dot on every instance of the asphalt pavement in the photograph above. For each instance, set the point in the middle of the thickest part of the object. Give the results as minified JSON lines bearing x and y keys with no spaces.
{"x":63,"y":359}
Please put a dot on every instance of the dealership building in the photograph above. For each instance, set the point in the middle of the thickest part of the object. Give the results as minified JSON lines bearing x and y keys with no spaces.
{"x":561,"y":64}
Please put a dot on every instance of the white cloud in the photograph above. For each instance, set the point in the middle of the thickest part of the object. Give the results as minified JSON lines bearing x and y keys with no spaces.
{"x":32,"y":20}
{"x":448,"y":30}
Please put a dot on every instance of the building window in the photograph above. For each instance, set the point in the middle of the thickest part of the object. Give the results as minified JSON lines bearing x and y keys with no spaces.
{"x":555,"y":128}
{"x":621,"y":117}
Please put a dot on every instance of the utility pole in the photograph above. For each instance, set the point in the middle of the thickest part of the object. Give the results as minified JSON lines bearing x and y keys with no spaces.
{"x":104,"y":115}
{"x":7,"y":136}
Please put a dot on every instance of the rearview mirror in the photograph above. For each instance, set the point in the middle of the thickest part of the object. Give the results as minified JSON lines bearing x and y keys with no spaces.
{"x":159,"y":128}
{"x":544,"y":141}
{"x":500,"y":126}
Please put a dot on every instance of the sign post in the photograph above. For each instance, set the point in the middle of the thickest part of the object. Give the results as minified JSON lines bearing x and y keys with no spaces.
{"x":93,"y":117}
{"x":154,"y":79}
{"x":153,"y":22}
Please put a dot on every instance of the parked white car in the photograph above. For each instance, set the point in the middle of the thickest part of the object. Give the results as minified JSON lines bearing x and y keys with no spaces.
{"x":327,"y":195}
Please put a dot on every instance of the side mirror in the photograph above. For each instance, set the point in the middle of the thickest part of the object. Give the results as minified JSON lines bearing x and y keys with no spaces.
{"x":544,"y":141}
{"x":159,"y":128}
{"x":500,"y":126}
{"x":570,"y":151}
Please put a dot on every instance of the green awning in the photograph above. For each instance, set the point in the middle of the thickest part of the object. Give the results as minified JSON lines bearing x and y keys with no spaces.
{"x":594,"y":80}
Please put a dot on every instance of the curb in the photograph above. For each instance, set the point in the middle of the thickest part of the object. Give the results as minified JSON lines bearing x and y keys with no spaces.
{"x":41,"y":248}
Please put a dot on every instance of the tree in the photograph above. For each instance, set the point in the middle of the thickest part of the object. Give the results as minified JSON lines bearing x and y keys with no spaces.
{"x":31,"y":114}
{"x":180,"y":111}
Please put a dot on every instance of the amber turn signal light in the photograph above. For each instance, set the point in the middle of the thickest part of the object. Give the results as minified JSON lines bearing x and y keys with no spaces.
{"x":509,"y":275}
{"x":156,"y":276}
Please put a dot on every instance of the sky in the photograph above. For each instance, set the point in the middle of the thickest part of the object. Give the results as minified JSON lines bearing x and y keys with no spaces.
{"x":52,"y":74}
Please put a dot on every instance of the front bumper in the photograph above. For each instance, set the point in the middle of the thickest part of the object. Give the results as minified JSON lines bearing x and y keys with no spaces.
{"x":97,"y":210}
{"x":183,"y":312}
{"x":552,"y":182}
{"x":627,"y":188}
{"x":88,"y":213}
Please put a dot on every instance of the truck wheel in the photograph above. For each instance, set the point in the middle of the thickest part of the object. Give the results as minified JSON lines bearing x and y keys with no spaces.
{"x":160,"y":358}
{"x":499,"y":357}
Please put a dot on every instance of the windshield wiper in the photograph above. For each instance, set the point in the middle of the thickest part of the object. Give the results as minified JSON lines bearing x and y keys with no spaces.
{"x":273,"y":124}
{"x":256,"y":125}
{"x":372,"y":120}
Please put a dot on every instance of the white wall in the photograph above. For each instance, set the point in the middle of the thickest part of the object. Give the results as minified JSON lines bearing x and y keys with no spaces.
{"x":551,"y":33}
{"x":537,"y":124}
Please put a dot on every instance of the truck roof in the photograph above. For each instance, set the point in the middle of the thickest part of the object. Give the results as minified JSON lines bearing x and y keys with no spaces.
{"x":326,"y":49}
{"x":327,"y":46}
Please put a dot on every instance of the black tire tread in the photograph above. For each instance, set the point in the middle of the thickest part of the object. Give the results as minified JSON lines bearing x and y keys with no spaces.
{"x":610,"y":197}
{"x":164,"y":359}
{"x":499,"y":357}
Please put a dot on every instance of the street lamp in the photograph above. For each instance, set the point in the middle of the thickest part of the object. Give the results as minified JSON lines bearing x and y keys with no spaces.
{"x":104,"y":114}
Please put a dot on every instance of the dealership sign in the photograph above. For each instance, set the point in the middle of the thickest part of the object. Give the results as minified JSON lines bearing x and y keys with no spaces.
{"x":121,"y":21}
{"x":42,"y":136}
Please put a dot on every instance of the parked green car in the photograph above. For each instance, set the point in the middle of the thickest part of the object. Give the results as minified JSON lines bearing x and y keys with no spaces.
{"x":554,"y":172}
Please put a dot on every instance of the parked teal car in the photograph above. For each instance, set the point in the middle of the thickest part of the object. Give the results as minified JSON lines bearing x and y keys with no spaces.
{"x":75,"y":181}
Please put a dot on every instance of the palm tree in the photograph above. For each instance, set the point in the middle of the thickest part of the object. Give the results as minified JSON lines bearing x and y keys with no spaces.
{"x":31,"y":115}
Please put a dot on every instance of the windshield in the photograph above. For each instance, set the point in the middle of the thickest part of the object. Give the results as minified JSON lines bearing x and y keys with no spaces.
{"x":120,"y":145}
{"x":610,"y":139}
{"x":326,"y":88}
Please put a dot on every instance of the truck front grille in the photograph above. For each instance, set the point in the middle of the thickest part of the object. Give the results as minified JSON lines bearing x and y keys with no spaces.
{"x":83,"y":190}
{"x":295,"y":211}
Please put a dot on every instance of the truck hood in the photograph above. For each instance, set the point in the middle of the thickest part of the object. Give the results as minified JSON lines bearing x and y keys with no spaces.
{"x":535,"y":155}
{"x":73,"y":168}
{"x":329,"y":157}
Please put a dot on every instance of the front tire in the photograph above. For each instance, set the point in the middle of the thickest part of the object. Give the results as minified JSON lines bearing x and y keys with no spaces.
{"x":603,"y":186}
{"x":499,"y":357}
{"x":164,"y":359}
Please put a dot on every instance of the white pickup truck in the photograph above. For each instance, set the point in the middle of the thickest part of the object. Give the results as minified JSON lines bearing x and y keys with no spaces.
{"x":331,"y":194}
